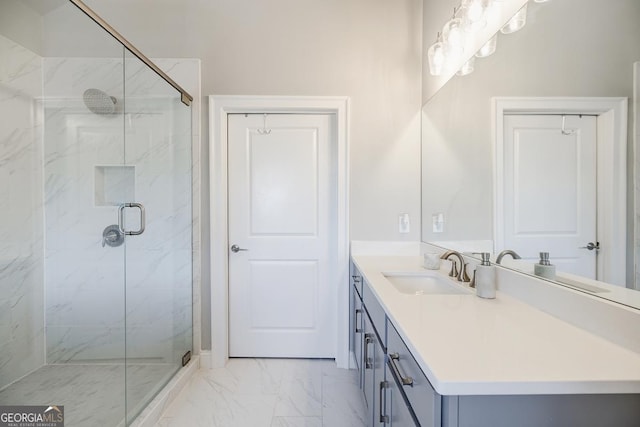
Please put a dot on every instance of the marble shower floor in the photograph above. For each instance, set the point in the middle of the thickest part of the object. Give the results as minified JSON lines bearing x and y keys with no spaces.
{"x":92,"y":394}
{"x":269,"y":393}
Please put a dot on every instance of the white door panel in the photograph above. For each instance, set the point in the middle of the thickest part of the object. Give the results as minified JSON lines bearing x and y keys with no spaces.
{"x":281,"y":298}
{"x":550,"y":189}
{"x":284,"y":182}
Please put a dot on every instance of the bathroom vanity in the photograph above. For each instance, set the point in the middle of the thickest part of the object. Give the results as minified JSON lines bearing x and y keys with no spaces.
{"x":440,"y":356}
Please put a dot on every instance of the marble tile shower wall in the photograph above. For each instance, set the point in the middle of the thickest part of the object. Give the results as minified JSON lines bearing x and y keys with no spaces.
{"x":85,"y":282}
{"x":21,"y":234}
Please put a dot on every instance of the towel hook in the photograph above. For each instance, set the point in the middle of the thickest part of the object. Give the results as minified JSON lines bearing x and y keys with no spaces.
{"x":564,"y":130}
{"x":264,"y":130}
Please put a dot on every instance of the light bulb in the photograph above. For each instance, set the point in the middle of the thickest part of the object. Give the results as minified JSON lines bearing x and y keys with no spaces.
{"x":467,"y":68}
{"x":488,"y":48}
{"x":474,"y":14}
{"x":516,"y":22}
{"x":436,"y":58}
{"x":494,"y":11}
{"x":453,"y":37}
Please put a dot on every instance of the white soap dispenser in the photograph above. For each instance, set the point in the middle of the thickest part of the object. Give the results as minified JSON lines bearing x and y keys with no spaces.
{"x":544,"y":268}
{"x":485,"y":278}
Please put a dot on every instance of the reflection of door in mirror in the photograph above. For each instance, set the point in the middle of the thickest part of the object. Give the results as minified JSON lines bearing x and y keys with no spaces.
{"x":549,"y":190}
{"x":560,"y":182}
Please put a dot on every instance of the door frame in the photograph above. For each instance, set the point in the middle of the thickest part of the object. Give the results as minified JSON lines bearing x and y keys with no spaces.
{"x":220,"y":106}
{"x":611,"y":171}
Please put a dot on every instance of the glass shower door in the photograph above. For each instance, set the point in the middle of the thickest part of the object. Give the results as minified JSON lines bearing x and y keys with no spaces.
{"x":158,"y":267}
{"x":82,"y":171}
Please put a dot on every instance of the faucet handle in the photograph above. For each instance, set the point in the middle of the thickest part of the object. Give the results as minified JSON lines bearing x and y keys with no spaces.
{"x":465,"y":276}
{"x":454,"y":268}
{"x":472,"y":284}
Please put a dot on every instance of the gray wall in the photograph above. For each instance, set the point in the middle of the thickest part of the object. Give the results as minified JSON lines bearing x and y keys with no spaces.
{"x":367,"y":50}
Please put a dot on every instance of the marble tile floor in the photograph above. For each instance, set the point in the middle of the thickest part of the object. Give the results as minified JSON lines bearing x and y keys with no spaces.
{"x":269,"y":393}
{"x":92,"y":394}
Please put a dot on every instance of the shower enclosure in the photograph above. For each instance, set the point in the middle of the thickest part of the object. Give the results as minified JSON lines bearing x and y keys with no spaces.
{"x":95,"y":217}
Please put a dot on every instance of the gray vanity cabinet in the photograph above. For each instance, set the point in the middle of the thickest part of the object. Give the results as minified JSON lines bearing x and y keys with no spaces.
{"x":398,"y":394}
{"x":397,"y":410}
{"x":358,"y":330}
{"x":357,"y":311}
{"x":368,"y":332}
{"x":373,"y":372}
{"x":418,"y":394}
{"x":560,"y":410}
{"x":356,"y":315}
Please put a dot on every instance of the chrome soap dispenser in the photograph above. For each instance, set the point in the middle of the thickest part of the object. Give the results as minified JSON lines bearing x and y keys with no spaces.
{"x":544,"y":268}
{"x":485,"y":278}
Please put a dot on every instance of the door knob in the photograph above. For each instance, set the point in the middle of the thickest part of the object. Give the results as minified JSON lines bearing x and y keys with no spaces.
{"x":591,"y":246}
{"x":236,"y":248}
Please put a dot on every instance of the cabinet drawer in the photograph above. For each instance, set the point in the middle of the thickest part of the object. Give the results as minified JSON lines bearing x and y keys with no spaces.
{"x":376,"y":314}
{"x":423,"y":399}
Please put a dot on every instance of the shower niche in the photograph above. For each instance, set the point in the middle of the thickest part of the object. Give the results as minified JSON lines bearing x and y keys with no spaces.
{"x":113,"y":183}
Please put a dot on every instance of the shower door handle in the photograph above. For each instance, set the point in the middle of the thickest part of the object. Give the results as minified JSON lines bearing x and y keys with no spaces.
{"x":121,"y":218}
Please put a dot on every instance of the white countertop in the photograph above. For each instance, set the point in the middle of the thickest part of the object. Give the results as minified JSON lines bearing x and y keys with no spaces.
{"x":471,"y":346}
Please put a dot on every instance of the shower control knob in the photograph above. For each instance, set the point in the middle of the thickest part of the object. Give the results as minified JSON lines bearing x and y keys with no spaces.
{"x":236,"y":249}
{"x":112,"y":236}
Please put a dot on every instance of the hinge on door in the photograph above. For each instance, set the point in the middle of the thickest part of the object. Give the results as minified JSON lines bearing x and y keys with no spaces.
{"x":186,"y":358}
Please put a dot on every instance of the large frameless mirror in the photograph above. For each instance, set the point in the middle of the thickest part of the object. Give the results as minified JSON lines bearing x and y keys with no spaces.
{"x":533,"y":150}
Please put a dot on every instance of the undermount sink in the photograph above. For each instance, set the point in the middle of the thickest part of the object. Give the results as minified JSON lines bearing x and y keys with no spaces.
{"x":423,"y":283}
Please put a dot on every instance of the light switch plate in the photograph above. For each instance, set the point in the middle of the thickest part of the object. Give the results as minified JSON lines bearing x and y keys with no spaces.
{"x":404,"y":225}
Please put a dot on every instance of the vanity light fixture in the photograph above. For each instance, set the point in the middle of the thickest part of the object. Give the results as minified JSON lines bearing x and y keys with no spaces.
{"x":453,"y":36}
{"x":474,"y":14}
{"x":517,"y":22}
{"x":460,"y":32}
{"x":494,"y":11}
{"x":467,"y":68}
{"x":436,"y":57}
{"x":488,"y":48}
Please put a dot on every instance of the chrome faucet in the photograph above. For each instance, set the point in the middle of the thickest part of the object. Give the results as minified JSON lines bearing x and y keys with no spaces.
{"x":461,"y":275}
{"x":507,"y":252}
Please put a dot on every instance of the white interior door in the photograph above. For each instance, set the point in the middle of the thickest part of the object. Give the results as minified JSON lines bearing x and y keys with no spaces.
{"x":281,"y":198}
{"x":550,"y":189}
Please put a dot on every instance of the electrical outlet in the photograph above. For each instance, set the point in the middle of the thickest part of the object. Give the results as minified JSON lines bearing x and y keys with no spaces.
{"x":438,"y":222}
{"x":404,"y":225}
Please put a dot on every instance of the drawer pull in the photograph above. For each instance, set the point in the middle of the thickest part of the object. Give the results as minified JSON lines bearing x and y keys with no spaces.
{"x":395,"y":359}
{"x":368,"y":339}
{"x":358,"y":311}
{"x":384,"y":419}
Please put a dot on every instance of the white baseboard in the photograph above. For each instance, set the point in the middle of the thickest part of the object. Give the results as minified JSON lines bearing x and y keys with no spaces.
{"x":205,"y":359}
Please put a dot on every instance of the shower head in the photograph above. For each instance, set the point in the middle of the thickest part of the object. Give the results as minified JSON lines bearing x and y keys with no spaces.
{"x":99,"y":102}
